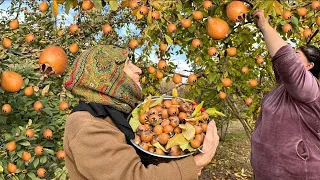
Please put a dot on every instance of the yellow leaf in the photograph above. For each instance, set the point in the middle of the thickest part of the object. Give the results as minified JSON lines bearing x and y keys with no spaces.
{"x":55,"y":8}
{"x":113,"y":4}
{"x":29,"y":123}
{"x":146,"y":105}
{"x":60,"y":1}
{"x":278,"y":7}
{"x":134,"y":12}
{"x":188,"y":132}
{"x":168,"y":39}
{"x":158,"y":145}
{"x":149,"y":18}
{"x":156,"y":5}
{"x":125,"y":4}
{"x":45,"y":90}
{"x":74,"y":3}
{"x":158,"y":101}
{"x":139,"y":15}
{"x":197,"y":110}
{"x":195,"y":118}
{"x":176,"y":140}
{"x":175,"y":92}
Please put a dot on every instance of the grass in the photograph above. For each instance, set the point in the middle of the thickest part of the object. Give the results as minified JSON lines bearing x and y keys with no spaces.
{"x":232,"y":157}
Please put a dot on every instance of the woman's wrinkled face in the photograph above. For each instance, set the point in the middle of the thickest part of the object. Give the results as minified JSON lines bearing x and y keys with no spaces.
{"x":133,"y":71}
{"x":304,"y":60}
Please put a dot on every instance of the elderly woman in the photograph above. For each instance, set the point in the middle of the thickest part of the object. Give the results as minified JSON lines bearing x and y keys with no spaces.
{"x":286,"y":139}
{"x":97,"y":132}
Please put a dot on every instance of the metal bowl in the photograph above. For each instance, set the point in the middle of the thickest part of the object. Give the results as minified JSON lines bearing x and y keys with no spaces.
{"x":152,"y":158}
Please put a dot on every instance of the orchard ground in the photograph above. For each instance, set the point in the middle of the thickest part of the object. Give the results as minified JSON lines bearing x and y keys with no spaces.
{"x":232,"y":159}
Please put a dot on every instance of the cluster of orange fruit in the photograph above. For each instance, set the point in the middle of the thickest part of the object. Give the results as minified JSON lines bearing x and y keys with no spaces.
{"x":176,"y":78}
{"x":170,"y":124}
{"x":227,"y":82}
{"x":14,"y":24}
{"x":216,"y":29}
{"x":12,"y":82}
{"x":38,"y":151}
{"x":302,"y":11}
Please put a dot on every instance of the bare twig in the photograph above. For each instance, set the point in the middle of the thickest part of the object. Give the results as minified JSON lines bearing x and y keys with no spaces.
{"x":305,"y":5}
{"x":313,"y":35}
{"x":18,"y":12}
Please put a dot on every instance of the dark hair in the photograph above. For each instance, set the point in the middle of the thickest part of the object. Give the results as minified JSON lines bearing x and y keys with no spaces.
{"x":313,"y":55}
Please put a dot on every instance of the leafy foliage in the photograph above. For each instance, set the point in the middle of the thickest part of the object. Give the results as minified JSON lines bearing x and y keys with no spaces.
{"x":49,"y":28}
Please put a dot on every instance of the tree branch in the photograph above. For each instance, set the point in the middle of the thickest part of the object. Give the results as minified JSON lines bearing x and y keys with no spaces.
{"x":250,"y":3}
{"x":305,"y":5}
{"x":244,"y":123}
{"x":18,"y":12}
{"x":313,"y":35}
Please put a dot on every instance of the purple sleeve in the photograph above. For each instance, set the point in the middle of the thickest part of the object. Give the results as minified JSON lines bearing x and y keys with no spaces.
{"x":298,"y":81}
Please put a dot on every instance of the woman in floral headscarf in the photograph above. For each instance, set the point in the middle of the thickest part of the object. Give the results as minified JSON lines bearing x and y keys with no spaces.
{"x":97,"y":131}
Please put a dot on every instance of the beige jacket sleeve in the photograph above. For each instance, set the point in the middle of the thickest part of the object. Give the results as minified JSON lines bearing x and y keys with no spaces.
{"x":99,"y":151}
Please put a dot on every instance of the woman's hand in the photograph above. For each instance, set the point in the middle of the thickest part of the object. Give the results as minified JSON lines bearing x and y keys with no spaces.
{"x":262,"y":21}
{"x":209,"y":148}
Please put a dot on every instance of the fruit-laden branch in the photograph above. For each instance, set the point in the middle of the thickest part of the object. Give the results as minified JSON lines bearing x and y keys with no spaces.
{"x":244,"y":123}
{"x":305,"y":5}
{"x":179,"y":86}
{"x":314,"y":34}
{"x":250,"y":3}
{"x":18,"y":12}
{"x":239,"y":92}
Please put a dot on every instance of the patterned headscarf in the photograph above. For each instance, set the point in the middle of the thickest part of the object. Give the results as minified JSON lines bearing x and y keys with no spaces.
{"x":98,"y":77}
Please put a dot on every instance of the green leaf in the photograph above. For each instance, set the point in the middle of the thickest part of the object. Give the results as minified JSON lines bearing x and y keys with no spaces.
{"x":14,"y":178}
{"x":214,"y":112}
{"x":158,"y":145}
{"x":26,"y":81}
{"x":49,"y":112}
{"x":36,"y":162}
{"x":31,"y":175}
{"x":98,"y":4}
{"x":197,"y":110}
{"x":168,"y":39}
{"x":188,"y":132}
{"x":179,"y":5}
{"x":187,"y":146}
{"x":2,"y":120}
{"x":43,"y":159}
{"x":176,"y":140}
{"x":25,"y":143}
{"x":113,"y":5}
{"x":134,"y":120}
{"x":134,"y":123}
{"x":21,"y":176}
{"x":295,"y":22}
{"x":48,"y":151}
{"x":68,"y":6}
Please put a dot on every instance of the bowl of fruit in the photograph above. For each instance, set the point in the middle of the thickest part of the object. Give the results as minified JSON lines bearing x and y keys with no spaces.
{"x":168,"y":128}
